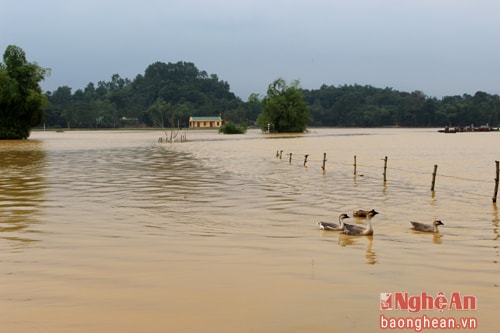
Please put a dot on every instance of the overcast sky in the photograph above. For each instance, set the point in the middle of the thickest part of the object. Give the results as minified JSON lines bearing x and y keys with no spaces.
{"x":441,"y":47}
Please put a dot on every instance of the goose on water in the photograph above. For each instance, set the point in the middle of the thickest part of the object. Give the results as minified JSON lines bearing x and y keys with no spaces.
{"x":360,"y":213}
{"x":427,"y":227}
{"x":356,"y":230}
{"x":334,"y":226}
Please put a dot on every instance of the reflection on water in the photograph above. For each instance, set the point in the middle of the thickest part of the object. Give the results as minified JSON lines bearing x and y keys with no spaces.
{"x":495,"y":233}
{"x":370,"y":255}
{"x":495,"y":221}
{"x":346,"y":240}
{"x":436,"y":238}
{"x":22,"y":187}
{"x":137,"y":236}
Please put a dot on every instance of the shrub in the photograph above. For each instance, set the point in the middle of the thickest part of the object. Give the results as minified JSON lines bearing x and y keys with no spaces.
{"x":231,"y":128}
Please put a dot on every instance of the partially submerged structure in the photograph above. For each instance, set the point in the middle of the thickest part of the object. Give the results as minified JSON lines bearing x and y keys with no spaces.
{"x":205,"y":122}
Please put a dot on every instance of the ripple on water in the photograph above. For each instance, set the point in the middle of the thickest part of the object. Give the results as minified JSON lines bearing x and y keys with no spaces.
{"x":119,"y":221}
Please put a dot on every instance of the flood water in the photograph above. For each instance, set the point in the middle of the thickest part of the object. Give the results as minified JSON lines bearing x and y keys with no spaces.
{"x":114,"y":232}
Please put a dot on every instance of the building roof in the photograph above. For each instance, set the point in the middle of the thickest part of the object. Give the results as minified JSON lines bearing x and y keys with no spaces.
{"x":205,"y":119}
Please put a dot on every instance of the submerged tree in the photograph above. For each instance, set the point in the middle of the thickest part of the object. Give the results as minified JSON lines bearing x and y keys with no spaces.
{"x":284,"y":108}
{"x":231,"y":128}
{"x":21,"y":98}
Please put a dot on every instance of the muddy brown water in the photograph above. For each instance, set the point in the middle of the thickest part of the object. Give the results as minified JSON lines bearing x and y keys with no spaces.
{"x":114,"y":232}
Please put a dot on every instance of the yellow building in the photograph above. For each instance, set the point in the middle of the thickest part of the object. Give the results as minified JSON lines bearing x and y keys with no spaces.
{"x":205,"y":122}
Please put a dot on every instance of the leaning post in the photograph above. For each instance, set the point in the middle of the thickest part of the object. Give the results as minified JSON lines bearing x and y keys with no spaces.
{"x":496,"y":183}
{"x":434,"y":177}
{"x":324,"y":162}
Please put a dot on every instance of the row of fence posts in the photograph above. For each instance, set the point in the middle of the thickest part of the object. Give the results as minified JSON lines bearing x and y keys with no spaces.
{"x":279,"y":153}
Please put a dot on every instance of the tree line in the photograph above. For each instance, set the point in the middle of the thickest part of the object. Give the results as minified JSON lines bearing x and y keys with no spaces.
{"x":169,"y":93}
{"x":165,"y":96}
{"x":367,"y":106}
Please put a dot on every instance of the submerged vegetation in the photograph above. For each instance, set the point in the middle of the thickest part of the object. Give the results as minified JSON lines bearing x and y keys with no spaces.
{"x":284,"y":108}
{"x":231,"y":128}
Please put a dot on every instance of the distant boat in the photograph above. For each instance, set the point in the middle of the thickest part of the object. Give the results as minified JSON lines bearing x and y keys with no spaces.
{"x":448,"y":130}
{"x":471,"y":128}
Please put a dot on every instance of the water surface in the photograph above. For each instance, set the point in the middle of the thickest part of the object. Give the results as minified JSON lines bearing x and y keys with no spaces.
{"x":114,"y":232}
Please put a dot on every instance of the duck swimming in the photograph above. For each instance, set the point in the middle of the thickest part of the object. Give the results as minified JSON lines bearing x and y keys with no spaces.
{"x":334,"y":226}
{"x":360,"y":213}
{"x":427,"y":227}
{"x":356,"y":230}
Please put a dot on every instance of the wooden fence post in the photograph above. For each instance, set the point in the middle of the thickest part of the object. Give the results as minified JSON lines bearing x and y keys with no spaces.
{"x":355,"y":165}
{"x":385,"y":169}
{"x":305,"y":159}
{"x":290,"y":158}
{"x":496,"y":183}
{"x":324,"y":161}
{"x":434,"y":177}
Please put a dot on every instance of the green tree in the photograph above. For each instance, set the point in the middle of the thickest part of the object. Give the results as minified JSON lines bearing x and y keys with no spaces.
{"x":60,"y":100}
{"x":254,"y":107}
{"x":284,"y":108}
{"x":21,"y":99}
{"x":185,"y":90}
{"x":231,"y":128}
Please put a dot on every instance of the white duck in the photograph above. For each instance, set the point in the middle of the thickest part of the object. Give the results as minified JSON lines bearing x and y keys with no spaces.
{"x":427,"y":227}
{"x":356,"y":230}
{"x":334,"y":226}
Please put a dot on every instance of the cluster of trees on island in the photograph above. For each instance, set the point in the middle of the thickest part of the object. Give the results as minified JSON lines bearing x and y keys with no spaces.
{"x":167,"y":94}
